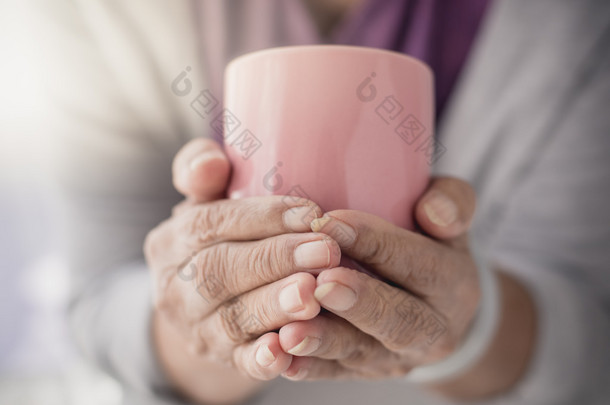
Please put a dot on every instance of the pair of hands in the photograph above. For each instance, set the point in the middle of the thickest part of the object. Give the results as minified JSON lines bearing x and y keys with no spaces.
{"x":244,"y":280}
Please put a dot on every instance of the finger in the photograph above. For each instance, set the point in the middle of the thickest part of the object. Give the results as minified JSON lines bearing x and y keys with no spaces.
{"x":330,"y":337}
{"x":401,"y":322}
{"x":262,"y":359}
{"x":201,"y":170}
{"x":227,"y":270}
{"x":314,"y":369}
{"x":413,"y":261}
{"x":238,"y":220}
{"x":446,"y":209}
{"x":230,"y":269}
{"x":244,"y":219}
{"x":261,"y":310}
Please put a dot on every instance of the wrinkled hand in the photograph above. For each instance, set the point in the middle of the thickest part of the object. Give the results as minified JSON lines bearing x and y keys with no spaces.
{"x":377,"y":330}
{"x":228,"y":273}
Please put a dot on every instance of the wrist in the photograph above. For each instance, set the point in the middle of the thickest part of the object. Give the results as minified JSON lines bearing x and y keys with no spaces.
{"x":505,"y":359}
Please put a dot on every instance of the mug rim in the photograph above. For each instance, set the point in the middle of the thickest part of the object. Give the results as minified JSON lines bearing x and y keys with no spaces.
{"x":324,"y":48}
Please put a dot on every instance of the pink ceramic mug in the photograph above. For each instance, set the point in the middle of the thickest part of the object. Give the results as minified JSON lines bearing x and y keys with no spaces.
{"x":347,"y":127}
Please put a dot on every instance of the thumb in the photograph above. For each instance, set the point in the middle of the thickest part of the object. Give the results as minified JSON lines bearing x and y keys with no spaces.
{"x":201,"y":170}
{"x":446,"y":209}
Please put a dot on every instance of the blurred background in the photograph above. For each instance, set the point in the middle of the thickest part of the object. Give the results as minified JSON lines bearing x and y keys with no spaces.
{"x":38,"y":364}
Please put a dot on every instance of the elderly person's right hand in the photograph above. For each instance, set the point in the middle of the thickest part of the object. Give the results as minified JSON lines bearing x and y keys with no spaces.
{"x":229,"y":273}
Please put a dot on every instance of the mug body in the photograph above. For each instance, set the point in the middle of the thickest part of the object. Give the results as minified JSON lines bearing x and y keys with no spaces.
{"x":346,"y":127}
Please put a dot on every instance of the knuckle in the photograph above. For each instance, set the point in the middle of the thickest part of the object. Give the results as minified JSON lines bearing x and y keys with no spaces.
{"x":259,"y":258}
{"x":211,"y":275}
{"x":419,"y":327}
{"x":203,"y":225}
{"x":377,"y":313}
{"x":379,"y":250}
{"x":433,"y":329}
{"x":234,"y":319}
{"x":399,"y":338}
{"x":408,"y":316}
{"x":211,"y":221}
{"x":269,"y":256}
{"x":227,"y":216}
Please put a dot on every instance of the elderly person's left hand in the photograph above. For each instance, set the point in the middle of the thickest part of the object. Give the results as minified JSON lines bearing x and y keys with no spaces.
{"x":374,"y":329}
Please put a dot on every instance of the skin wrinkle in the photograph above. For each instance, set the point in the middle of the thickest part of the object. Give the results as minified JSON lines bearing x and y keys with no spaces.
{"x":372,"y":352}
{"x":418,"y":317}
{"x":260,"y":262}
{"x":434,"y":283}
{"x":209,"y":285}
{"x":405,"y":334}
{"x":230,"y":314}
{"x":420,"y":274}
{"x":383,"y":323}
{"x":202,"y":225}
{"x":378,"y":252}
{"x":425,"y":321}
{"x":383,"y":317}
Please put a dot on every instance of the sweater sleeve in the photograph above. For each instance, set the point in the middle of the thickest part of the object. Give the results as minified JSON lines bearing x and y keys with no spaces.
{"x":555,"y":237}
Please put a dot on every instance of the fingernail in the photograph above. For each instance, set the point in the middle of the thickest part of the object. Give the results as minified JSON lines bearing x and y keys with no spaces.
{"x":299,"y":375}
{"x":307,"y":346}
{"x":335,"y":296}
{"x":312,"y":255}
{"x":299,"y":218}
{"x":205,"y":157}
{"x":264,"y":356}
{"x":341,"y":232}
{"x":290,"y":298}
{"x":441,"y":210}
{"x":318,"y":223}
